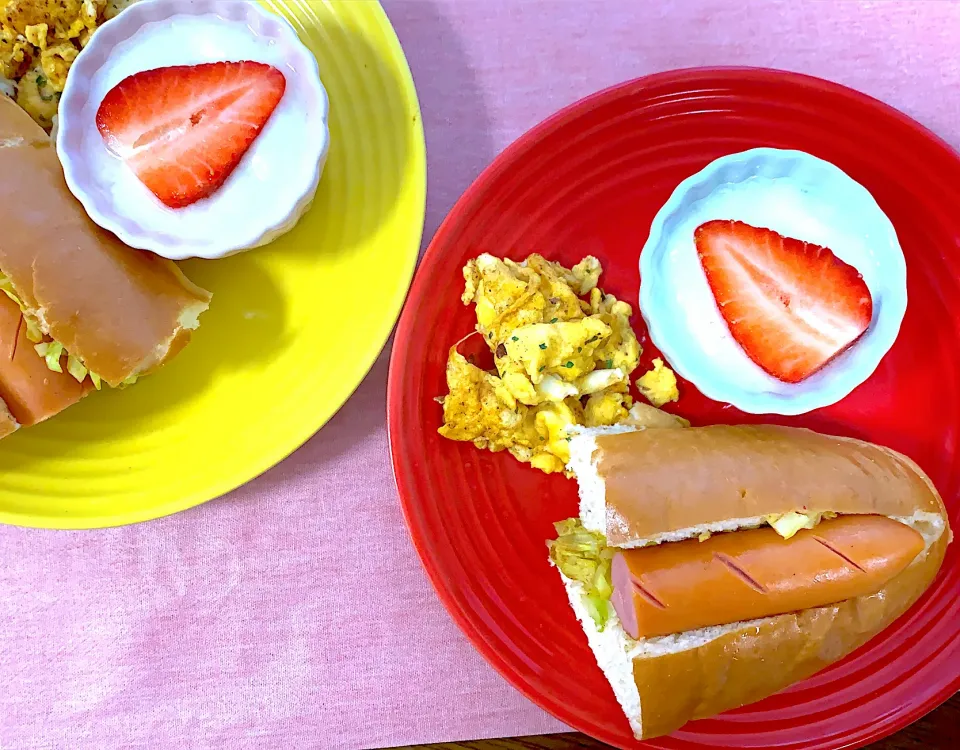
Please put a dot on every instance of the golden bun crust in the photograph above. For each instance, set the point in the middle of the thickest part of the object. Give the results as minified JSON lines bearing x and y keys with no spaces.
{"x":661,"y":481}
{"x":757,"y":661}
{"x":123,"y":312}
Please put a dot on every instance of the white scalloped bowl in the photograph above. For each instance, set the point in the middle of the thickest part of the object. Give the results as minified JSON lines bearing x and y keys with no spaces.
{"x":276,"y":181}
{"x":797,"y":195}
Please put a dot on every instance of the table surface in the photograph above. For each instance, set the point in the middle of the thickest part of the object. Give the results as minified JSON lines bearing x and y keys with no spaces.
{"x":220,"y":627}
{"x":936,"y":731}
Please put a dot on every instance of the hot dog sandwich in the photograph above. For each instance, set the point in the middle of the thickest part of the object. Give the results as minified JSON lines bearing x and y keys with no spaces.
{"x":73,"y":298}
{"x":712,"y":567}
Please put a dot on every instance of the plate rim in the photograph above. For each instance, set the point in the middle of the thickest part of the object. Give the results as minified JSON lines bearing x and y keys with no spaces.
{"x":405,"y":330}
{"x":272,"y":458}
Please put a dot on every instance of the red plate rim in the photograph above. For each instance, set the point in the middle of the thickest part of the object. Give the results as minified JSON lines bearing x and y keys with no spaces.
{"x":406,"y":329}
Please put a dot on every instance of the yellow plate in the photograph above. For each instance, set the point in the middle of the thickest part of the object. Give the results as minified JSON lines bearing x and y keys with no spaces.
{"x":293,"y":327}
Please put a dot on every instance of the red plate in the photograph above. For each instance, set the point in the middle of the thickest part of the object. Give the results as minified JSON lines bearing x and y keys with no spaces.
{"x":589,"y":181}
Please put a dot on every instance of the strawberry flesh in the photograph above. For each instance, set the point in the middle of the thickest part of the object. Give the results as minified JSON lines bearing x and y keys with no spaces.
{"x":184,"y":129}
{"x":791,"y":305}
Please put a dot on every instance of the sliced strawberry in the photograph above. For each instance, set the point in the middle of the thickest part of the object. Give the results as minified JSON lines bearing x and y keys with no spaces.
{"x":184,"y":129}
{"x":791,"y":305}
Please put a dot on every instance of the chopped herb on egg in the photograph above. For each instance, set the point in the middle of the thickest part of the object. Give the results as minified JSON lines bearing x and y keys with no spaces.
{"x":41,"y":85}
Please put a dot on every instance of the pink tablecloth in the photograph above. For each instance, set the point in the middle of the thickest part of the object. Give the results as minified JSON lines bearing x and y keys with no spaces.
{"x":233,"y":625}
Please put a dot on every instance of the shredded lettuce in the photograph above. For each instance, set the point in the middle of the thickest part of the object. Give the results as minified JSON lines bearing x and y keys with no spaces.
{"x":583,"y":556}
{"x":51,"y":351}
{"x":9,"y":292}
{"x":75,"y":367}
{"x":6,"y":286}
{"x":34,"y":334}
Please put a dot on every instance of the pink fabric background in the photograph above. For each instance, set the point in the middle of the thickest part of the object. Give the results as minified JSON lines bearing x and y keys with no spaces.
{"x":233,"y":625}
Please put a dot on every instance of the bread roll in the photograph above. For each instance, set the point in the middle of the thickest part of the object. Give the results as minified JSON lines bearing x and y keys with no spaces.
{"x":664,"y":485}
{"x":122,"y":312}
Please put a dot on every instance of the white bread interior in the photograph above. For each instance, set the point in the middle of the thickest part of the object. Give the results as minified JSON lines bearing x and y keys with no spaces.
{"x":593,"y":493}
{"x":929,"y":525}
{"x":615,"y":651}
{"x":612,"y":649}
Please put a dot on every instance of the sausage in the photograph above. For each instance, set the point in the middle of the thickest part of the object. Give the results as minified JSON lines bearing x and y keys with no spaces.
{"x":746,"y":575}
{"x":31,"y":390}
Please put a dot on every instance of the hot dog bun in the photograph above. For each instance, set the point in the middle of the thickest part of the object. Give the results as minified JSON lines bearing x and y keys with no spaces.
{"x":665,"y":485}
{"x":121,"y":311}
{"x":664,"y":681}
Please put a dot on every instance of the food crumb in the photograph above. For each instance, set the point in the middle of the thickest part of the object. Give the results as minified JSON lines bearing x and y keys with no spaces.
{"x":659,"y":384}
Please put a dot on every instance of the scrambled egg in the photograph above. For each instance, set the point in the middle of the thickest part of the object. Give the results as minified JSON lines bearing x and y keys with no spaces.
{"x":39,"y":40}
{"x":659,"y":385}
{"x":788,"y":524}
{"x":563,"y":350}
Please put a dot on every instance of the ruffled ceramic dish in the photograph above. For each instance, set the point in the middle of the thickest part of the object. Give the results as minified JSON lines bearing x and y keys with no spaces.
{"x":278,"y":177}
{"x":796,"y":195}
